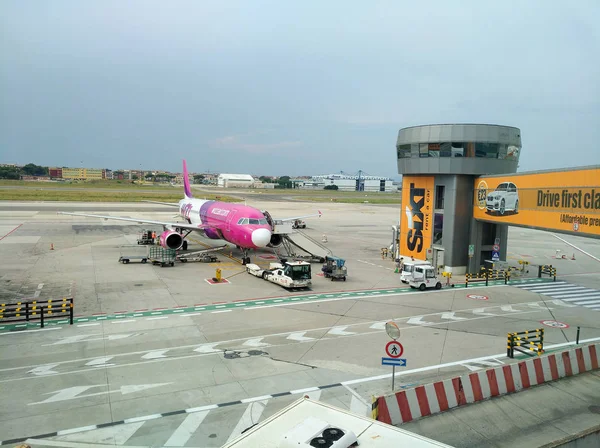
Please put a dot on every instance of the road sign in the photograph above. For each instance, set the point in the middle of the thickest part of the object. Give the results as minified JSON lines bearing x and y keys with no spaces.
{"x":471,"y":250}
{"x":393,"y":362}
{"x":477,"y":297}
{"x":394,"y":349}
{"x":497,"y":241}
{"x":496,"y":248}
{"x":495,"y":255}
{"x":554,"y":324}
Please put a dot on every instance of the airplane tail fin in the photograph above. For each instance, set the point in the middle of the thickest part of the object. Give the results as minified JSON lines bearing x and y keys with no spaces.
{"x":186,"y":182}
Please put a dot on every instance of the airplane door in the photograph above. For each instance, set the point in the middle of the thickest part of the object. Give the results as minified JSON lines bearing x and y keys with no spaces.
{"x":230,"y":218}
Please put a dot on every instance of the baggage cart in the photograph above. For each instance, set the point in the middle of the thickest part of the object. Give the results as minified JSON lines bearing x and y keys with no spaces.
{"x":132,"y":252}
{"x":158,"y":255}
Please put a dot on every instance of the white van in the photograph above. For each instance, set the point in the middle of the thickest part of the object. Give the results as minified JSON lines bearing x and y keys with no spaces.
{"x":408,"y":267}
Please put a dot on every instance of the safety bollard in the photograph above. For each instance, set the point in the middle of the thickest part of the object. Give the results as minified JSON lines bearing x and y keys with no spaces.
{"x":218,"y":275}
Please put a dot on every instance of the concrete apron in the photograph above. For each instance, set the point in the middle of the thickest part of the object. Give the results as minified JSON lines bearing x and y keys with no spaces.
{"x":412,"y":404}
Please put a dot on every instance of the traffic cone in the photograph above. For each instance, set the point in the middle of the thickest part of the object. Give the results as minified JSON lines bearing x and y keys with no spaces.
{"x":51,"y":246}
{"x":324,"y":239}
{"x":573,"y":257}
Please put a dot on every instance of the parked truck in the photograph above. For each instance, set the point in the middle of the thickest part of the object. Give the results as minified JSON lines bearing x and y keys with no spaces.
{"x":290,"y":274}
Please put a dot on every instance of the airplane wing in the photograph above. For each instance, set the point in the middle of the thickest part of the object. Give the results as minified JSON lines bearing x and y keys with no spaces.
{"x":298,"y":217}
{"x":172,"y":204}
{"x":143,"y":221}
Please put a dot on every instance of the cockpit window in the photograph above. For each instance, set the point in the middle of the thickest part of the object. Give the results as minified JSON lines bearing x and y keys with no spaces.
{"x":254,"y":221}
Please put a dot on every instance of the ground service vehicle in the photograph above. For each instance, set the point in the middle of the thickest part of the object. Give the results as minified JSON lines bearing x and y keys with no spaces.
{"x":299,"y":224}
{"x":424,"y":277}
{"x":306,"y":423}
{"x":291,"y":274}
{"x":408,"y":267}
{"x":145,"y":237}
{"x":334,"y":268}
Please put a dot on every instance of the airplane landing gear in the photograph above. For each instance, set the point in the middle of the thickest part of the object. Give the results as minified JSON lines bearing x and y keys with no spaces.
{"x":245,"y":257}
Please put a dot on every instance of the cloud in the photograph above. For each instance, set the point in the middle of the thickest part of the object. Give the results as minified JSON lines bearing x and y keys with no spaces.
{"x":237,"y":143}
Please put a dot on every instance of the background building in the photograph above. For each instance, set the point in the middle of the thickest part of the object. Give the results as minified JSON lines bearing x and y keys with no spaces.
{"x":346,"y":182}
{"x":83,"y":173}
{"x":235,"y":180}
{"x":439,"y":164}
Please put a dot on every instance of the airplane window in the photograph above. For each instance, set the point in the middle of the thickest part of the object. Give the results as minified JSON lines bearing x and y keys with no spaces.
{"x":254,"y":221}
{"x":245,"y":221}
{"x":241,"y":221}
{"x":263,"y":221}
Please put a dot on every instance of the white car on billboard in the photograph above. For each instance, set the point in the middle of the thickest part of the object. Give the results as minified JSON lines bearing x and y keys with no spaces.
{"x":505,"y":198}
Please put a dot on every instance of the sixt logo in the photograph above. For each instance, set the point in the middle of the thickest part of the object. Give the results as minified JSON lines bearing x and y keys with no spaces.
{"x":414,"y":215}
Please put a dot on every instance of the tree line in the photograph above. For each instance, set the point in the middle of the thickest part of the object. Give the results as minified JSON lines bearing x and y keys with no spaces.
{"x":15,"y":172}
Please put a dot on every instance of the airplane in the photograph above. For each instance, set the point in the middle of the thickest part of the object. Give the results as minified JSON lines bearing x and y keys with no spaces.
{"x":245,"y":226}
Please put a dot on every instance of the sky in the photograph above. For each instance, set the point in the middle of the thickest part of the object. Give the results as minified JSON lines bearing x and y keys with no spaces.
{"x":291,"y":88}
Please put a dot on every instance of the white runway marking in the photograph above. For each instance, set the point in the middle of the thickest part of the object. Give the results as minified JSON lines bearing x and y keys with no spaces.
{"x":186,"y":429}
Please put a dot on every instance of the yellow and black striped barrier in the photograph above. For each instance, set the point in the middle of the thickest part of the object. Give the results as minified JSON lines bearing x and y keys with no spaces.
{"x":37,"y":309}
{"x":525,"y":342}
{"x":375,"y":408}
{"x":547,"y":270}
{"x":485,"y":275}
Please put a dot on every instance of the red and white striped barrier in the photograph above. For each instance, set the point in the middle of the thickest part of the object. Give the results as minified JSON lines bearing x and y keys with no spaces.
{"x":440,"y":396}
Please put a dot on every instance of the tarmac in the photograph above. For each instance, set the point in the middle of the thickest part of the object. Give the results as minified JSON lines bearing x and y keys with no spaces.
{"x":161,"y":357}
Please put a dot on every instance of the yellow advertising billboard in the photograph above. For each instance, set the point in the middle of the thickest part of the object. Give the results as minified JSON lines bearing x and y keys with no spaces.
{"x":566,"y":201}
{"x":416,"y":224}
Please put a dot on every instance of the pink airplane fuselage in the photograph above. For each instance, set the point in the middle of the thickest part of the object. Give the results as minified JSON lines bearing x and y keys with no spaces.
{"x":241,"y":225}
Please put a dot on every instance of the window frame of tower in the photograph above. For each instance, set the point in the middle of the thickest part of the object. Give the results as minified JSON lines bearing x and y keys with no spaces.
{"x":440,"y":193}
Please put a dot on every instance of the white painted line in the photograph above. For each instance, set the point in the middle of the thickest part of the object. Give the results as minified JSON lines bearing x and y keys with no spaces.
{"x":220,"y":306}
{"x":88,"y":325}
{"x":587,"y":302}
{"x":64,"y":432}
{"x":250,"y":400}
{"x":30,"y":331}
{"x":542,"y":286}
{"x":190,"y":314}
{"x":199,"y":309}
{"x":208,"y":407}
{"x":83,"y":319}
{"x":101,"y":318}
{"x":259,"y":303}
{"x":276,"y":301}
{"x":221,"y":311}
{"x":178,"y":311}
{"x":156,"y":318}
{"x":240,"y":304}
{"x":138,"y":314}
{"x":301,"y":391}
{"x":251,"y":415}
{"x":143,"y":418}
{"x":153,"y":313}
{"x":63,"y":444}
{"x":123,"y":321}
{"x":569,"y":297}
{"x":357,"y":404}
{"x":186,"y":429}
{"x":580,"y":250}
{"x":260,"y":307}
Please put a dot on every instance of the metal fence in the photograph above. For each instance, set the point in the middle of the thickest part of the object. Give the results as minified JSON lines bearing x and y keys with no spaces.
{"x":525,"y":342}
{"x":37,"y":309}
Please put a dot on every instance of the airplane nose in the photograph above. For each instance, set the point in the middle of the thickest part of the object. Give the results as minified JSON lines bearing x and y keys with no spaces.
{"x":261,"y":237}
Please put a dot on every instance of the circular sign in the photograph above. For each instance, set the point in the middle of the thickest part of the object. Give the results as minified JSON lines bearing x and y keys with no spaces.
{"x":575,"y":225}
{"x":392,"y":330}
{"x":394,"y":349}
{"x":477,"y":297}
{"x":482,"y":194}
{"x":554,"y":324}
{"x":496,"y":248}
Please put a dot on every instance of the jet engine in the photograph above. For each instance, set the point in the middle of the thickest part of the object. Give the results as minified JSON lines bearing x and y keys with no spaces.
{"x":171,"y":240}
{"x":276,"y":240}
